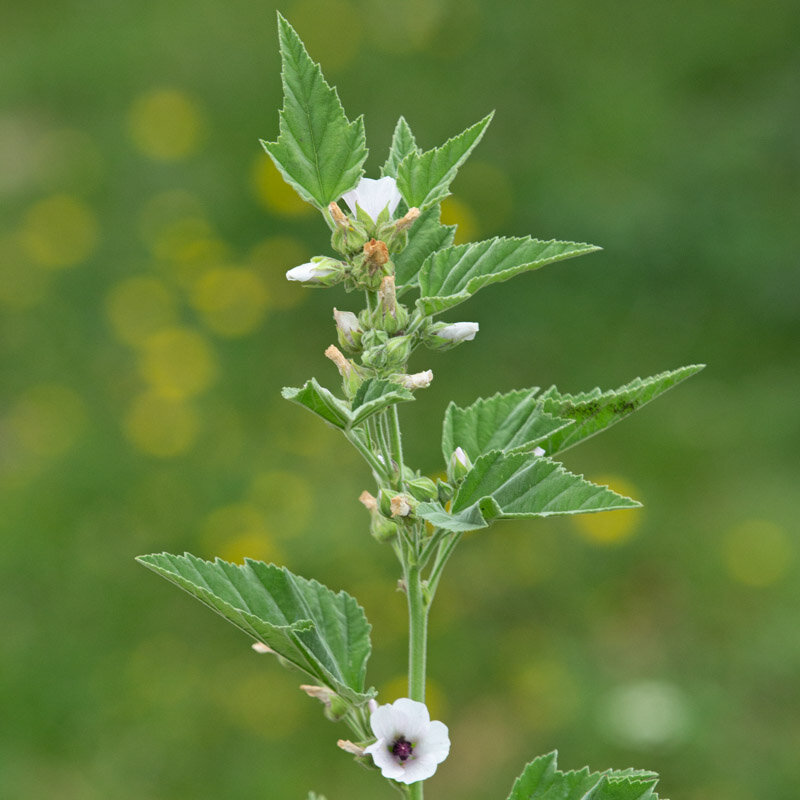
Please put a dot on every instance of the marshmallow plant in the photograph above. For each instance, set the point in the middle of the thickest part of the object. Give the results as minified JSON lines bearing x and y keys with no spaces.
{"x":499,"y":453}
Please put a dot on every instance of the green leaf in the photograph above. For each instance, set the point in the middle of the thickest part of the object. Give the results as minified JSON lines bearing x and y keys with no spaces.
{"x":321,"y":402}
{"x":403,"y":144}
{"x":515,"y":485}
{"x":424,"y":178}
{"x":453,"y":275}
{"x":541,"y":780}
{"x":512,"y":422}
{"x":318,"y":151}
{"x":325,"y":635}
{"x":374,"y":395}
{"x":596,"y":410}
{"x":426,"y":237}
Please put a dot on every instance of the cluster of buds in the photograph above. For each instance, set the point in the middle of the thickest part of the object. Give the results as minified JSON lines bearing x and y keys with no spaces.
{"x":384,"y":335}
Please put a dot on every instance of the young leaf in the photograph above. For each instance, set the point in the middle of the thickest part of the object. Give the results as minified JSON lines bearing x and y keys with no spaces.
{"x":319,"y":401}
{"x":511,"y":422}
{"x":514,"y":485}
{"x":373,"y":395}
{"x":453,"y":275}
{"x":424,"y":178}
{"x":318,"y":151}
{"x":541,"y":780}
{"x":593,"y":411}
{"x":403,"y":144}
{"x":427,"y":236}
{"x":325,"y":635}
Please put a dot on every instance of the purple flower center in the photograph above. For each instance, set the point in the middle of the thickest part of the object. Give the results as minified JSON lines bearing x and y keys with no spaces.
{"x":402,"y":749}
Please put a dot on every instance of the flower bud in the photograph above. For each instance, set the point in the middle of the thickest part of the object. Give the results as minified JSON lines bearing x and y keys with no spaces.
{"x":381,"y":528}
{"x":349,"y":236}
{"x":422,"y":488}
{"x":444,"y":336}
{"x":398,"y":351}
{"x":385,"y":502}
{"x":395,"y":234}
{"x":320,"y":271}
{"x":419,"y":380}
{"x":445,"y":491}
{"x":459,"y":466}
{"x":348,"y":330}
{"x":352,"y":375}
{"x":335,"y":707}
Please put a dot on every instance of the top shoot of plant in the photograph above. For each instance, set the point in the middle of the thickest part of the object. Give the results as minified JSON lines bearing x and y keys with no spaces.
{"x":391,"y":252}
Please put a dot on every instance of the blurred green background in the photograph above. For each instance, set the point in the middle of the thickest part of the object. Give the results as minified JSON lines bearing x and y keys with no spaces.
{"x":147,"y":329}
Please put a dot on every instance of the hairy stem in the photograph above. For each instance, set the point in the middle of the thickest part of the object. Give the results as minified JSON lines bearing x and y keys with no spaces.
{"x":417,"y":646}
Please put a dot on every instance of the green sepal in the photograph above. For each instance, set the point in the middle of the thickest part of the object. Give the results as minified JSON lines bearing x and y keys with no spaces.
{"x":451,"y":276}
{"x":512,"y":422}
{"x":596,"y":410}
{"x":541,"y":780}
{"x":424,"y":178}
{"x":319,"y":152}
{"x":516,"y":485}
{"x":322,"y":633}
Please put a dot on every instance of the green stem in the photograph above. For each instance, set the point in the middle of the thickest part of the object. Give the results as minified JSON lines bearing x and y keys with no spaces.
{"x":445,"y":551}
{"x":378,"y":468}
{"x":417,"y":647}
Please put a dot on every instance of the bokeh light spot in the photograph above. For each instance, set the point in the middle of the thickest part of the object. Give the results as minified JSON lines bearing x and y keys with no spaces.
{"x":139,"y":307}
{"x":59,"y":231}
{"x":22,"y":284}
{"x":610,"y":527}
{"x":645,"y":714}
{"x":161,"y":426}
{"x":488,"y":192}
{"x":330,"y":29}
{"x":271,"y":258}
{"x":232,"y":301}
{"x":47,"y":420}
{"x":757,"y":552}
{"x":165,"y":124}
{"x":178,"y":363}
{"x":286,"y":497}
{"x":457,"y":212}
{"x":238,"y":531}
{"x":273,"y":193}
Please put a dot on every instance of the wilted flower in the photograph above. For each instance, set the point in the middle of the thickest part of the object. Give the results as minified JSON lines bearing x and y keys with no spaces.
{"x":419,"y":380}
{"x":373,"y":196}
{"x":409,"y":745}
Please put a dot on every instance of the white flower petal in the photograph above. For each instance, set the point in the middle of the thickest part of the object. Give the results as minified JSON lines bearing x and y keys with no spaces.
{"x":373,"y":196}
{"x":459,"y":331}
{"x":383,"y":723}
{"x":436,"y":743}
{"x":305,"y":272}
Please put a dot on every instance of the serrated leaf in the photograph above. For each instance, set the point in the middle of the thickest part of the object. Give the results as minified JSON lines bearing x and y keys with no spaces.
{"x":424,"y":178}
{"x":453,"y":275}
{"x":326,"y":635}
{"x":541,"y":780}
{"x":403,"y":144}
{"x":374,"y":395}
{"x":426,"y":237}
{"x":511,"y":422}
{"x":516,"y":485}
{"x":596,"y":410}
{"x":318,"y":151}
{"x":321,"y":402}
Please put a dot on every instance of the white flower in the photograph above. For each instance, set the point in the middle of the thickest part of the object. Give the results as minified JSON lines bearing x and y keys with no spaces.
{"x":310,"y":272}
{"x":462,"y":457}
{"x":538,"y":451}
{"x":410,"y":746}
{"x":373,"y":196}
{"x":459,"y":331}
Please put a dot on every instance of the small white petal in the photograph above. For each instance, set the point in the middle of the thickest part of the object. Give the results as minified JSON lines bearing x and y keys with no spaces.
{"x":462,"y":457}
{"x":538,"y":451}
{"x":305,"y":272}
{"x":373,"y":196}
